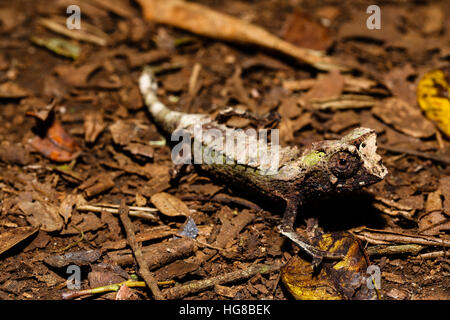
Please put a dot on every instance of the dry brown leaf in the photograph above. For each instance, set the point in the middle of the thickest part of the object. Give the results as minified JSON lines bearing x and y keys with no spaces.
{"x":404,"y":117}
{"x":14,"y":153}
{"x":77,"y":77}
{"x":45,"y":215}
{"x":302,"y":121}
{"x":396,"y":81}
{"x":434,"y":202}
{"x":119,"y":7}
{"x":125,"y":132}
{"x":169,"y":205}
{"x":301,"y":30}
{"x":343,"y":120}
{"x":93,"y":126}
{"x":445,"y":188}
{"x":202,"y":20}
{"x":10,"y":18}
{"x":434,"y":19}
{"x":68,"y":203}
{"x":289,"y":108}
{"x":83,"y":223}
{"x":140,"y":149}
{"x":344,"y":280}
{"x":11,"y":237}
{"x":327,"y":86}
{"x":433,"y":223}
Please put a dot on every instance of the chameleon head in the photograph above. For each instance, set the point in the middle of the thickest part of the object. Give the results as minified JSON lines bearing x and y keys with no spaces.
{"x":349,"y":163}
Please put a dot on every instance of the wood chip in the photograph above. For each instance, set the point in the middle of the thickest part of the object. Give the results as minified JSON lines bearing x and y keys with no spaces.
{"x":229,"y":292}
{"x":169,"y":205}
{"x":396,"y":294}
{"x":159,"y":254}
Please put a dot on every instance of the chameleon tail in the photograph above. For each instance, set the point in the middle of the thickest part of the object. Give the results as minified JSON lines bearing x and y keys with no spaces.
{"x":168,"y":119}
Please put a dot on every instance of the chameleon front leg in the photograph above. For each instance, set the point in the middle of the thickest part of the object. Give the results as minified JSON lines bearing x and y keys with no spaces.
{"x":287,"y":229}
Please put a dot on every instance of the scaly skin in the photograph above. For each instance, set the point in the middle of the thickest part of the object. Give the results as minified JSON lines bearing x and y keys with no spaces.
{"x":322,"y":168}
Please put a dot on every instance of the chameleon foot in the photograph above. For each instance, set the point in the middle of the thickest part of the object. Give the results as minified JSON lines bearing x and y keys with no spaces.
{"x":303,"y":243}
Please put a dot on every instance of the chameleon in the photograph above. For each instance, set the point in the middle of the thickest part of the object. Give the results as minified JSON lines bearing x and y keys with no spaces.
{"x":323,"y":167}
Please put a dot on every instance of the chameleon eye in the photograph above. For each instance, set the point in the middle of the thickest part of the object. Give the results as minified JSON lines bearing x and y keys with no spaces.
{"x":343,"y":164}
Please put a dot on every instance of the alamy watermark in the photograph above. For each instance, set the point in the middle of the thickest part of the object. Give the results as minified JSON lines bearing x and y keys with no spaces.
{"x":374,"y":20}
{"x":74,"y":20}
{"x":214,"y":146}
{"x":374,"y":280}
{"x":74,"y":280}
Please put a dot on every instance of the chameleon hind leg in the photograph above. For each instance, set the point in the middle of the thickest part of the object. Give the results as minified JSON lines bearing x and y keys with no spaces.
{"x":287,"y":229}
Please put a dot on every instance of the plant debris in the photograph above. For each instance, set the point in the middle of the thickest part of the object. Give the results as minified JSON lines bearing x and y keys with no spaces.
{"x":76,"y":140}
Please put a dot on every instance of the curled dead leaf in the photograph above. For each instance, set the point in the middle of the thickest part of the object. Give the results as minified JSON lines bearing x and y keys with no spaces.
{"x":340,"y":280}
{"x":53,"y":141}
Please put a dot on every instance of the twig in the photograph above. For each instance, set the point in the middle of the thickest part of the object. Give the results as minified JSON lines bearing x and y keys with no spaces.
{"x":158,"y":254}
{"x":400,"y":249}
{"x":385,"y":237}
{"x":431,"y":255}
{"x":345,"y":101}
{"x":136,"y":248}
{"x":197,"y":286}
{"x":416,"y":153}
{"x":88,"y":34}
{"x":138,"y":212}
{"x":103,"y":289}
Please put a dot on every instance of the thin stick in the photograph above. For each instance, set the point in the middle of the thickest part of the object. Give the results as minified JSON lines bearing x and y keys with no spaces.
{"x":416,"y":153}
{"x":136,"y":248}
{"x":88,"y":34}
{"x":197,"y":286}
{"x":385,"y":237}
{"x":432,"y":255}
{"x":396,"y":249}
{"x":139,"y":212}
{"x":103,"y":289}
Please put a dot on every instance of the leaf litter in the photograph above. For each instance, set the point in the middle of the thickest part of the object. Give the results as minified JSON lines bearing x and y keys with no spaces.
{"x":104,"y":140}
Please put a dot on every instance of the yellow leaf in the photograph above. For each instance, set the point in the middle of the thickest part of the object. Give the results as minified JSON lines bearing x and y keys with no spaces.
{"x":335,"y":280}
{"x":433,"y":93}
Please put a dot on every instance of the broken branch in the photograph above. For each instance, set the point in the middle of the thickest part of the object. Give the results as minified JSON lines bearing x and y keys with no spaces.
{"x":143,"y":267}
{"x":197,"y":286}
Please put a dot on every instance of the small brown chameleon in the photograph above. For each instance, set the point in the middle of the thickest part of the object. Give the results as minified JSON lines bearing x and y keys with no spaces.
{"x":286,"y":174}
